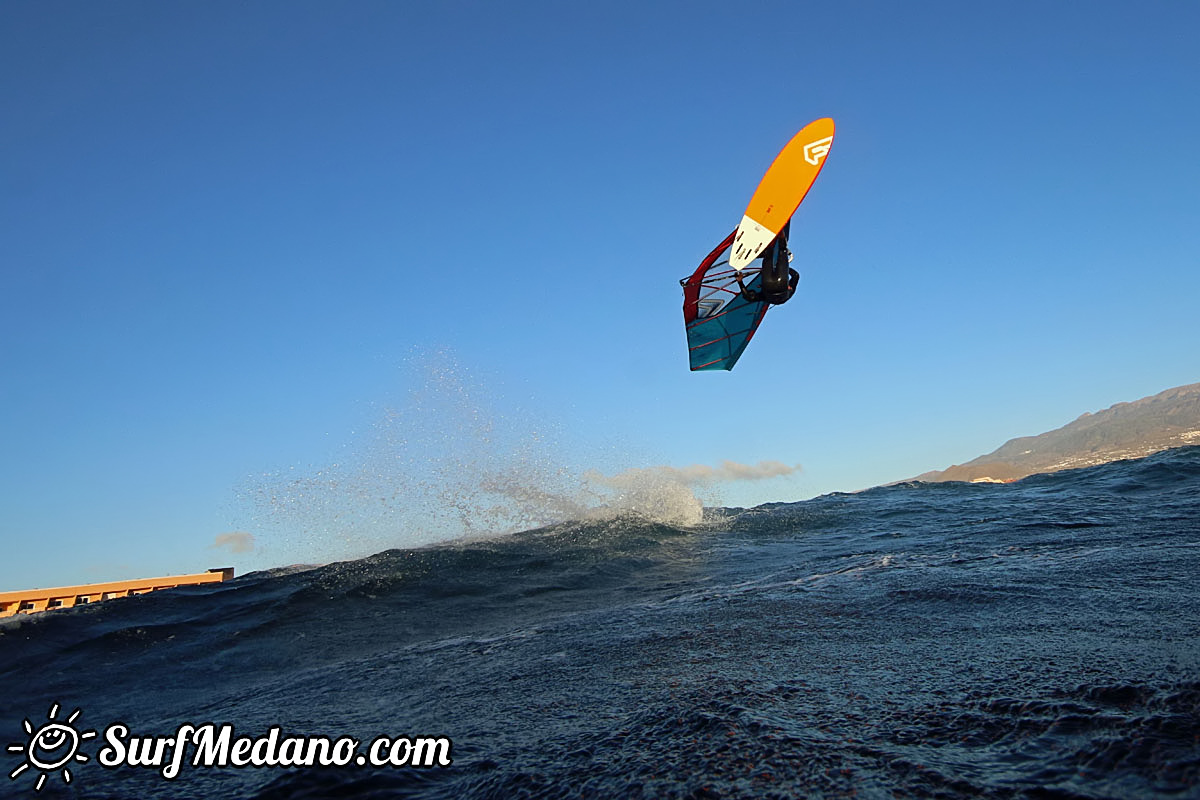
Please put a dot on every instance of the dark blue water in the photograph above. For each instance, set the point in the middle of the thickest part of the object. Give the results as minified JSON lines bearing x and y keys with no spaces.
{"x":1039,"y":639}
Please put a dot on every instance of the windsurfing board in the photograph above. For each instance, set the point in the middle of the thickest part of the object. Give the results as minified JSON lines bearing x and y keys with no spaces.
{"x":781,"y":190}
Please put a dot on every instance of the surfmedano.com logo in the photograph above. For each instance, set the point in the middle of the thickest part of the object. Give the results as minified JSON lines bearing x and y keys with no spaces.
{"x":52,"y":748}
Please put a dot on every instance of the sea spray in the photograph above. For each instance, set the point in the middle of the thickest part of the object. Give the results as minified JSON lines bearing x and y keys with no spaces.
{"x":448,"y":460}
{"x":453,"y":460}
{"x":676,"y":495}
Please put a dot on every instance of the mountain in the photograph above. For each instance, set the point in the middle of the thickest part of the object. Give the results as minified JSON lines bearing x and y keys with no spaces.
{"x":1127,"y":430}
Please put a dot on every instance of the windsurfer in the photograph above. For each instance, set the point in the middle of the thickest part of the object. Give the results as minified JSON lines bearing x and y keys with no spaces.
{"x":779,"y":281}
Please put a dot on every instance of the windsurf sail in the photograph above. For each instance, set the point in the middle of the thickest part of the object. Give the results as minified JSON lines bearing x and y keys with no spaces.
{"x":719,"y":320}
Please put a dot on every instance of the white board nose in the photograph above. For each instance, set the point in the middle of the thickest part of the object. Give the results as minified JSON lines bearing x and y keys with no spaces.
{"x":751,"y":239}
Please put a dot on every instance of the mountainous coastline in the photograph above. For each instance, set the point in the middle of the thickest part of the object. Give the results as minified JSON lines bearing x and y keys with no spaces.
{"x":1126,"y":430}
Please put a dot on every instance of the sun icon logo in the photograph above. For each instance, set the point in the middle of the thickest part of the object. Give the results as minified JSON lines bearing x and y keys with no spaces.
{"x":51,"y":748}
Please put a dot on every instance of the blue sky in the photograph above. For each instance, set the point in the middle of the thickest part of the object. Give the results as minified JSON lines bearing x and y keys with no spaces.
{"x":234,"y":237}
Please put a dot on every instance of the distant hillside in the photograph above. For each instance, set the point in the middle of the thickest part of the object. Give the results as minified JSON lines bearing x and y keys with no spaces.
{"x":1127,"y":430}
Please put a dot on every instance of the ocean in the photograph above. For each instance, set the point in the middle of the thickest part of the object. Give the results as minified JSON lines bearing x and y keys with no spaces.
{"x":1039,"y":639}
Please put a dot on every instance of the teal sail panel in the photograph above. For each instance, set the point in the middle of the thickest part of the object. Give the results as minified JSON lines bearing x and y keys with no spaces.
{"x":719,"y":321}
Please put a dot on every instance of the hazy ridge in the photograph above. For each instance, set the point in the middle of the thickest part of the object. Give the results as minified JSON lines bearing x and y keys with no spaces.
{"x":1126,"y":430}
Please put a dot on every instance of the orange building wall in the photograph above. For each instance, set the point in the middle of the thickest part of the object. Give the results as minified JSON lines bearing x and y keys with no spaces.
{"x":35,"y":600}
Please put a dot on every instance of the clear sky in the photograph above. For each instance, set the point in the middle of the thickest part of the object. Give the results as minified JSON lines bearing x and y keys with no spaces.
{"x":243,"y":246}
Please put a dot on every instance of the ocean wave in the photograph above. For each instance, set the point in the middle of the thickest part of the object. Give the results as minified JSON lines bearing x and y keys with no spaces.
{"x":1018,"y":640}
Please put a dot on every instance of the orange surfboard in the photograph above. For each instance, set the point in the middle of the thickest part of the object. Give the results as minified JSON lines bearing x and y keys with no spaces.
{"x":780,"y":191}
